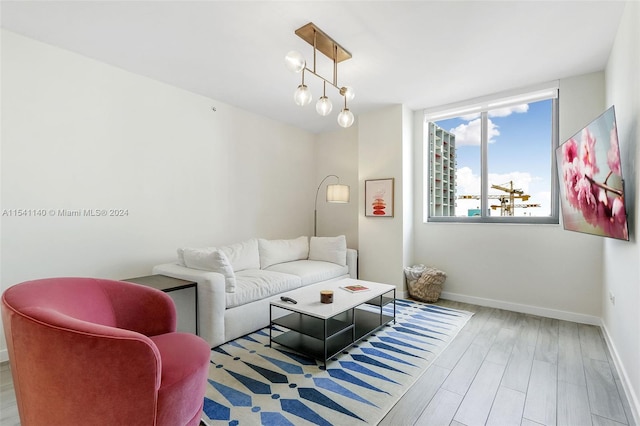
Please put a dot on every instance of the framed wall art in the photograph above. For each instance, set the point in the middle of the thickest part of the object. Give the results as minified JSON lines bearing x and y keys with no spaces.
{"x":378,"y":197}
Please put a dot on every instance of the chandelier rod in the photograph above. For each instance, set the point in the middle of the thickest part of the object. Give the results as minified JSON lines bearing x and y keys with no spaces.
{"x":335,"y":65}
{"x":322,"y":78}
{"x":315,"y":44}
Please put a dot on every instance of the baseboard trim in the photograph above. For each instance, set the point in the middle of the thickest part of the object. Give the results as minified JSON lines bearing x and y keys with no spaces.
{"x":4,"y":355}
{"x":634,"y":402}
{"x":525,"y":309}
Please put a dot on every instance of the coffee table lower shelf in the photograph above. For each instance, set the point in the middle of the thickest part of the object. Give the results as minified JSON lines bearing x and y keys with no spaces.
{"x":324,"y":338}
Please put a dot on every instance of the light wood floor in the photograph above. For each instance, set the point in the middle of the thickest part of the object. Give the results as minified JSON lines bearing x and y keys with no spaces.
{"x":8,"y":407}
{"x":504,"y":368}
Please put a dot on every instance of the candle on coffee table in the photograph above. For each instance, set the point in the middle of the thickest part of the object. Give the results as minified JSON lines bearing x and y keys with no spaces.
{"x":326,"y":296}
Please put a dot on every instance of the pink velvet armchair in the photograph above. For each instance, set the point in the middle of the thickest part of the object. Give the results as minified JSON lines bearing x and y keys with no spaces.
{"x":87,"y":351}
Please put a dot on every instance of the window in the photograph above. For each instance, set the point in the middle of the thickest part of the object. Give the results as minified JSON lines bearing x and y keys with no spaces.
{"x":491,"y":160}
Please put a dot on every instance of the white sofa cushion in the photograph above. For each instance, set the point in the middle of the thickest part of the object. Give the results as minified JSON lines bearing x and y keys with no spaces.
{"x":211,"y":259}
{"x":311,"y":271}
{"x":243,"y":255}
{"x":256,"y":284}
{"x":329,"y":249}
{"x":273,"y":252}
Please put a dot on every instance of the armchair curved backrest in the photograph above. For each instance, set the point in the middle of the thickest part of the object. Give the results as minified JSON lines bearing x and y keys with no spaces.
{"x":90,"y":351}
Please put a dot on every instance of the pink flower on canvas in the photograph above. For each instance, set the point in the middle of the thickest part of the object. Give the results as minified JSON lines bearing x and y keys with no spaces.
{"x":570,"y":150}
{"x":601,"y":205}
{"x":589,"y":153}
{"x":613,"y":155}
{"x":570,"y":169}
{"x":613,"y":221}
{"x":586,"y":199}
{"x":617,"y":210}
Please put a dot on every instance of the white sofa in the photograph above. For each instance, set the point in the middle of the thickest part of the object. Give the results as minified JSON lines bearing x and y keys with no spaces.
{"x":237,"y":282}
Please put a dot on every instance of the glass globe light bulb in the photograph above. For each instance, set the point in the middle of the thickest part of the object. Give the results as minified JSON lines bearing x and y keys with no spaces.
{"x":345,"y":118}
{"x":348,"y":92}
{"x":294,"y":61}
{"x":302,"y":95}
{"x":324,"y":106}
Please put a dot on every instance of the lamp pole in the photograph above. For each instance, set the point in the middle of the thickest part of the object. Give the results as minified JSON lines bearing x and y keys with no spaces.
{"x":315,"y":210}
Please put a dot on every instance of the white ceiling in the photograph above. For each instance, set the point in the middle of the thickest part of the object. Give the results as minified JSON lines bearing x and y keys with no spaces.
{"x":418,"y":53}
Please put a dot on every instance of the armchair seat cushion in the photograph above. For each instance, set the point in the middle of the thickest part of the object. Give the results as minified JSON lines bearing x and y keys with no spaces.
{"x":185,"y":360}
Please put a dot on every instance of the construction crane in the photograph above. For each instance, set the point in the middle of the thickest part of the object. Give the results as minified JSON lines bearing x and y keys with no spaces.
{"x":507,"y":209}
{"x":507,"y":202}
{"x":507,"y":205}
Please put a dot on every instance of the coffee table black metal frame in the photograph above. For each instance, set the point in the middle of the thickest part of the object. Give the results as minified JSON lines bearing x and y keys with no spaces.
{"x":324,"y":338}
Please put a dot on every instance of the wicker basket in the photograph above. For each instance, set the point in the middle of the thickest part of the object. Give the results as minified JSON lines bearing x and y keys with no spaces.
{"x":428,"y":287}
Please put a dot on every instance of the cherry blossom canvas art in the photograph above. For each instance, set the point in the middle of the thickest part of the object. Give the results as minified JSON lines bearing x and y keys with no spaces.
{"x":591,"y":180}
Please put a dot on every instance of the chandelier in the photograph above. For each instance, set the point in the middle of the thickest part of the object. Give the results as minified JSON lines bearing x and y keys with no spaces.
{"x":294,"y":61}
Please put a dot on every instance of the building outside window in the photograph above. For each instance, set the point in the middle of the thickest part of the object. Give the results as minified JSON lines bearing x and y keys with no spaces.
{"x":492,"y":160}
{"x":442,"y":171}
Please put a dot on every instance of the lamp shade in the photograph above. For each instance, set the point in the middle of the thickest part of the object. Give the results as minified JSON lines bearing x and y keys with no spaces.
{"x":294,"y":61}
{"x":302,"y":95}
{"x":348,"y":93}
{"x":338,"y":193}
{"x":324,"y":106}
{"x":345,"y":118}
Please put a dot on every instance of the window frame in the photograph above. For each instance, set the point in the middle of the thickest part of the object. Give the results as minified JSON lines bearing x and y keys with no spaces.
{"x":483,"y":106}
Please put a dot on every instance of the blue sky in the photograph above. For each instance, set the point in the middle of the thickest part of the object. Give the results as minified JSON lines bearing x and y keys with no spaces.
{"x":519,"y":151}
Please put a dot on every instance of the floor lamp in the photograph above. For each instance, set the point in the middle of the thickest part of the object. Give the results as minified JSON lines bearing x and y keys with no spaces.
{"x":335,"y":194}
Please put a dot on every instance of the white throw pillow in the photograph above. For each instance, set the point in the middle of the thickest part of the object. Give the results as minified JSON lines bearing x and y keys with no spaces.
{"x":211,"y":259}
{"x":243,"y":255}
{"x":279,"y":251}
{"x":181,"y":257}
{"x":329,"y":249}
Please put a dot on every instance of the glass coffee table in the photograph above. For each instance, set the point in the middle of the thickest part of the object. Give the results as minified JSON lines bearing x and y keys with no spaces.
{"x":322,"y":330}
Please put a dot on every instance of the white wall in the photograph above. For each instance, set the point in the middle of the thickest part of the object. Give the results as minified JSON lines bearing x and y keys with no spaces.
{"x":80,"y":134}
{"x":517,"y":266}
{"x":336,"y":153}
{"x":621,"y":321}
{"x":408,"y":185}
{"x":380,"y":155}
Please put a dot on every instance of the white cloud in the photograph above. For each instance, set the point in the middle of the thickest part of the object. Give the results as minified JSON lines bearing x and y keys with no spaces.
{"x":463,"y":207}
{"x":466,"y":182}
{"x":504,"y":112}
{"x":469,"y":134}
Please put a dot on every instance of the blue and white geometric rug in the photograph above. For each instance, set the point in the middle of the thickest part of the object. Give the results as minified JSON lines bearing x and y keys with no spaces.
{"x":253,"y":384}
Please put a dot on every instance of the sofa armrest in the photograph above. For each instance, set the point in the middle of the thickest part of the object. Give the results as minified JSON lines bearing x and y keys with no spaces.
{"x":352,"y":263}
{"x":211,"y":298}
